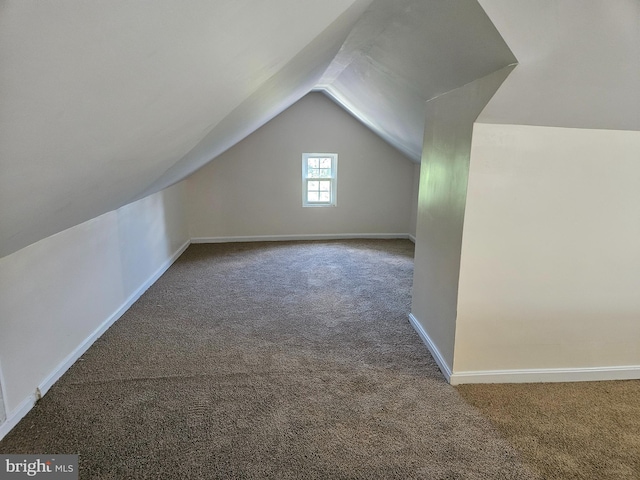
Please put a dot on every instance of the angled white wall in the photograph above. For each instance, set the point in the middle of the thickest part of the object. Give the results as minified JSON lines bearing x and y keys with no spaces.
{"x":59,"y":294}
{"x":441,"y":206}
{"x":255,"y":188}
{"x":548,"y":281}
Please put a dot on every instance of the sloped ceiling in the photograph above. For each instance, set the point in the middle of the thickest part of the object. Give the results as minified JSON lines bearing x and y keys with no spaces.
{"x":402,"y":53}
{"x":106,"y":101}
{"x":580,"y":63}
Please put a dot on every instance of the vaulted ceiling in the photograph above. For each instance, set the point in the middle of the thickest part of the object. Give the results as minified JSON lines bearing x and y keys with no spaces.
{"x":107,"y":101}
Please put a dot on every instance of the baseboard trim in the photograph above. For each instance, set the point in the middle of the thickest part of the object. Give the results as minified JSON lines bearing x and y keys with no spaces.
{"x":18,"y":413}
{"x":412,"y":238}
{"x":587,"y":374}
{"x":282,"y":238}
{"x":3,"y":405}
{"x":437,"y":356}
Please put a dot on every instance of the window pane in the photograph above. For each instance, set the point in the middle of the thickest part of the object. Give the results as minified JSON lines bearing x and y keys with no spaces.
{"x":318,"y":183}
{"x":325,"y":163}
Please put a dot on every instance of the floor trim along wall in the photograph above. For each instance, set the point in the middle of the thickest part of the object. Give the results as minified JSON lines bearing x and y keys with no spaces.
{"x":280,"y":238}
{"x":588,"y":374}
{"x":3,"y":412}
{"x":435,"y":353}
{"x":17,"y":414}
{"x":27,"y":404}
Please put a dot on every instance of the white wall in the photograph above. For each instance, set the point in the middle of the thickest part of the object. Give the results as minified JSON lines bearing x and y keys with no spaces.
{"x":57,"y":293}
{"x":550,"y":269}
{"x":441,"y":206}
{"x":255,"y":188}
{"x":3,"y":415}
{"x":414,"y":193}
{"x":548,"y":277}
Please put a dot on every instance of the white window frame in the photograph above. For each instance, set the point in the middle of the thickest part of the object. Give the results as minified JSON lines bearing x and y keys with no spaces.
{"x":333,"y":178}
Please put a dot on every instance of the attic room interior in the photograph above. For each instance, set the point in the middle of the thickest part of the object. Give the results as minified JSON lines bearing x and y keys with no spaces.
{"x":464,"y":304}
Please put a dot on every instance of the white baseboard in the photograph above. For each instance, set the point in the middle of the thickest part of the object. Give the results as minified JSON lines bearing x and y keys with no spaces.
{"x":412,"y":238}
{"x":280,"y":238}
{"x":584,"y":374}
{"x":437,"y":356}
{"x":587,"y":374}
{"x":18,"y":413}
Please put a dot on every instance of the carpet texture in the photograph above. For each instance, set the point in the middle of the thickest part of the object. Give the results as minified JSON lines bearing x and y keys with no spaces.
{"x":575,"y":431}
{"x":268,"y":360}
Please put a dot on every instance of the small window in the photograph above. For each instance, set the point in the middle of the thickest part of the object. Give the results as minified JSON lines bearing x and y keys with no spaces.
{"x":319,"y":179}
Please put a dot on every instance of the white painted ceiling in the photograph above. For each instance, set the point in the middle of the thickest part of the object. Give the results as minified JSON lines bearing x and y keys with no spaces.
{"x":402,"y":53}
{"x":579,"y":63}
{"x":104,"y":102}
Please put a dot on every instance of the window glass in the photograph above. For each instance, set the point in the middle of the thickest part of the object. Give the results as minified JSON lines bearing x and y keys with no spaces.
{"x":319,"y":177}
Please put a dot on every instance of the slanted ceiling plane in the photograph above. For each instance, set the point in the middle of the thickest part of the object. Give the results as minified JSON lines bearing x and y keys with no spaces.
{"x":105,"y":102}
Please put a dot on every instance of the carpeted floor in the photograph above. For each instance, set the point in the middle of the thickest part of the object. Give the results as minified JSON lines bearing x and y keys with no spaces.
{"x":268,"y":360}
{"x":568,"y":431}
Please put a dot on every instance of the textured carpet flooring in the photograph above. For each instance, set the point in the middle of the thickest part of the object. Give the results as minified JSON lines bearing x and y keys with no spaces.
{"x":273,"y":360}
{"x":568,"y":430}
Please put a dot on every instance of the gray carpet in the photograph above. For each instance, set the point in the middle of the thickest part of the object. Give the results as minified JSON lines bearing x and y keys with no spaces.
{"x":268,"y":360}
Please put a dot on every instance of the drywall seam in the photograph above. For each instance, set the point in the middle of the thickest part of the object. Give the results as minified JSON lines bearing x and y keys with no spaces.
{"x":27,"y":404}
{"x":435,"y":353}
{"x":589,"y":374}
{"x":280,"y":238}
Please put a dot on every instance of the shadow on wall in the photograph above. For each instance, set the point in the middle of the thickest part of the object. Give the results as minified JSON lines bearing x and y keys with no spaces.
{"x":144,"y":233}
{"x":3,"y":413}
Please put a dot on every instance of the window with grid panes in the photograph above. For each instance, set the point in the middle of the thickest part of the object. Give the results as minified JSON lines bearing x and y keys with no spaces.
{"x":319,"y":179}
